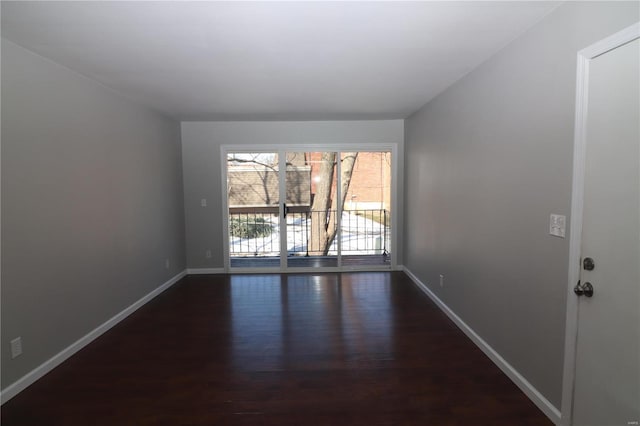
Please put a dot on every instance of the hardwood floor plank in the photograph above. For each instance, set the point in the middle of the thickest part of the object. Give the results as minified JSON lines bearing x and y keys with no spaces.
{"x":303,"y":349}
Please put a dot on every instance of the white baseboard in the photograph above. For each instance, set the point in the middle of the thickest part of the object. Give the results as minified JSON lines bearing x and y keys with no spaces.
{"x":205,"y":271}
{"x":19,"y":385}
{"x":541,"y":402}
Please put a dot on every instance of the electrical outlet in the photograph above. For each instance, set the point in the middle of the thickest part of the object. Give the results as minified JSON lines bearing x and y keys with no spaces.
{"x":166,"y":263}
{"x":207,"y":254}
{"x":16,"y":347}
{"x":441,"y":280}
{"x":203,"y":202}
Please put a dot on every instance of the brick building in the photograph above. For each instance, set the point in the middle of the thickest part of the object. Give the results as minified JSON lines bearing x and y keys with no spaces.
{"x":370,"y":186}
{"x":253,"y":186}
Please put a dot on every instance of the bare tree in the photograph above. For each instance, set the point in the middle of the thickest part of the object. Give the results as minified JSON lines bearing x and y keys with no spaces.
{"x":324,"y":207}
{"x":265,"y":167}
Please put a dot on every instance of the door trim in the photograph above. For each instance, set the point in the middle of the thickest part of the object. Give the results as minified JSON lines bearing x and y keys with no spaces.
{"x":585,"y":56}
{"x":311,"y":147}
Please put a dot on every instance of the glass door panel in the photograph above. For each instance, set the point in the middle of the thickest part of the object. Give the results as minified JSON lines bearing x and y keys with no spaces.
{"x":366,"y":215}
{"x":253,"y":200}
{"x":311,"y":209}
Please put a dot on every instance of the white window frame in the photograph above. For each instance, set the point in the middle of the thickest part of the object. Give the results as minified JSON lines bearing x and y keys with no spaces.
{"x":281,"y":149}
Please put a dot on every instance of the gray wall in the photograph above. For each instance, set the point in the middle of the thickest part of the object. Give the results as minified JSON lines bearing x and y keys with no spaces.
{"x":91,"y":206}
{"x":486,"y":162}
{"x":201,"y":143}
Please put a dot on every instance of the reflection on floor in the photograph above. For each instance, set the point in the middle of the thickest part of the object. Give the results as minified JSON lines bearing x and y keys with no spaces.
{"x":311,"y":261}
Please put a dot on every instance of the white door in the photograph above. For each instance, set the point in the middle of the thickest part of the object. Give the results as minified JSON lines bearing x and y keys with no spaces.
{"x":607,"y":358}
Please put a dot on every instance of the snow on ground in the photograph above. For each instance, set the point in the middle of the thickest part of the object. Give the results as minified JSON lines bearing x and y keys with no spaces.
{"x":359,"y":236}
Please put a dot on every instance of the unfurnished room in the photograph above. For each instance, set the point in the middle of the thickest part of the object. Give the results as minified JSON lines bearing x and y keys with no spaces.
{"x":320,"y":213}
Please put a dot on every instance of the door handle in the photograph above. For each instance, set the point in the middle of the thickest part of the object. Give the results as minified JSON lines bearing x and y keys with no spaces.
{"x":285,"y":209}
{"x":578,"y":289}
{"x":585,"y":289}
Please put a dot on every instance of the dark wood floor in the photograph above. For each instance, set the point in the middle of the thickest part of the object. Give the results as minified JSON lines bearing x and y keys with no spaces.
{"x":323,"y":349}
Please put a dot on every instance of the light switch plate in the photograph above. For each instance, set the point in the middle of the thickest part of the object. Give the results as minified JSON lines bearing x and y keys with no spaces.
{"x":16,"y":347}
{"x":557,"y":225}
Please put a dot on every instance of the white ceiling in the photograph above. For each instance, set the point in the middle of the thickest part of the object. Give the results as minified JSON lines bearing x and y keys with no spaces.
{"x":272,"y":60}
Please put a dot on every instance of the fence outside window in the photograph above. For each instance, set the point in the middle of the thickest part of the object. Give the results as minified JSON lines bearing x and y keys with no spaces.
{"x":364,"y":232}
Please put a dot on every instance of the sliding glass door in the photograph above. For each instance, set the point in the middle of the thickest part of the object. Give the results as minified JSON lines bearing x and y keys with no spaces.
{"x":366,"y":215}
{"x":253,"y":209}
{"x":312,"y":224}
{"x":296,"y":209}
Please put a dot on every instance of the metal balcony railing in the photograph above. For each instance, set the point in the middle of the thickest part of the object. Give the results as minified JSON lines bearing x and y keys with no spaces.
{"x":363,"y":232}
